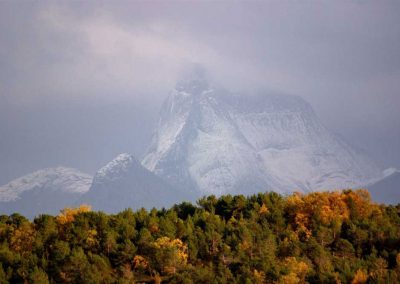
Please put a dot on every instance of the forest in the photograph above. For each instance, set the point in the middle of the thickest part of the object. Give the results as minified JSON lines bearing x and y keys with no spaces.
{"x":320,"y":237}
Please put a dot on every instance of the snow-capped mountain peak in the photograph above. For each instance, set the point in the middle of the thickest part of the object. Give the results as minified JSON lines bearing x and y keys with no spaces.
{"x":224,"y":143}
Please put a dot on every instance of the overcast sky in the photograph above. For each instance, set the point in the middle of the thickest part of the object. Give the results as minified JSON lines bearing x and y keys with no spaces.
{"x":83,"y":81}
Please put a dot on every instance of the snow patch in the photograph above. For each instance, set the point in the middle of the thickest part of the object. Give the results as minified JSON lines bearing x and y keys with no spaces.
{"x":55,"y":179}
{"x":389,"y":171}
{"x":115,"y":168}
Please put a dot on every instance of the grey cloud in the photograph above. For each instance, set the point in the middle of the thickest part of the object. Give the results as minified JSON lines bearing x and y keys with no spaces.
{"x":343,"y":57}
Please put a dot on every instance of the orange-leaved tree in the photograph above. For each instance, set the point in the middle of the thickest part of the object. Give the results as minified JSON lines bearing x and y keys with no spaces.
{"x":67,"y":215}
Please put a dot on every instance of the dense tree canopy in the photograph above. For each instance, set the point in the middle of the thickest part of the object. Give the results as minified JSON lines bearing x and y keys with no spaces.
{"x":321,"y":237}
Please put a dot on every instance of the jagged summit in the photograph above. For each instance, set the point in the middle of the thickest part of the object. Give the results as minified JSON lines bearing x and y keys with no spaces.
{"x":223,"y":143}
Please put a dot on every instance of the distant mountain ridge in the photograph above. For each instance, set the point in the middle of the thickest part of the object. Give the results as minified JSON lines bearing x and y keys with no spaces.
{"x":44,"y":191}
{"x":62,"y":179}
{"x":122,"y":183}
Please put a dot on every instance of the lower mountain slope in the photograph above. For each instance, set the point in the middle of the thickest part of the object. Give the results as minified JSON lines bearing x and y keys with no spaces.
{"x":386,"y":190}
{"x":125,"y":183}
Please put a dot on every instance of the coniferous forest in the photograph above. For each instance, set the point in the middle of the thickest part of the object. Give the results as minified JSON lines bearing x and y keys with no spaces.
{"x":321,"y":237}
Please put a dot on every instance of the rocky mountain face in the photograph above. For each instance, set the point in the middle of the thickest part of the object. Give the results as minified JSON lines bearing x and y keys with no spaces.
{"x":125,"y":183}
{"x":218,"y":143}
{"x":44,"y":191}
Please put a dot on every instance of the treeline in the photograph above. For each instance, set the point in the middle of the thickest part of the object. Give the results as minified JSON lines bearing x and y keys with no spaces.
{"x":324,"y":237}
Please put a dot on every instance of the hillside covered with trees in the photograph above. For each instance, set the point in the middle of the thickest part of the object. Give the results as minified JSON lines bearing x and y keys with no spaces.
{"x":322,"y":237}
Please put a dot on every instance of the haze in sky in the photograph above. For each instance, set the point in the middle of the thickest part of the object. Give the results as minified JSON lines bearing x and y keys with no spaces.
{"x":81,"y":82}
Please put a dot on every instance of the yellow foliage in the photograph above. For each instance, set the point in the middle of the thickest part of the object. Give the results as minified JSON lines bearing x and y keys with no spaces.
{"x":263,"y":209}
{"x":297,"y":271}
{"x":177,"y":244}
{"x":300,"y":268}
{"x":91,"y":238}
{"x":181,"y":248}
{"x":259,"y":276}
{"x":294,"y":200}
{"x":139,"y":262}
{"x":67,"y":215}
{"x":22,"y":238}
{"x":302,"y":222}
{"x":328,"y":208}
{"x":360,"y":277}
{"x":178,"y":252}
{"x":290,"y":278}
{"x":361,"y":204}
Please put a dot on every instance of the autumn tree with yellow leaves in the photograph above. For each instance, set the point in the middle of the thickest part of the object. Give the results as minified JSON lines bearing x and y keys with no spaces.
{"x":67,"y":215}
{"x":170,"y":255}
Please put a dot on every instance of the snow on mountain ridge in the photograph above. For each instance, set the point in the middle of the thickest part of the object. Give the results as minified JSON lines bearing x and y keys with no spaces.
{"x":225,"y":143}
{"x":62,"y":179}
{"x":115,"y":168}
{"x":390,"y":171}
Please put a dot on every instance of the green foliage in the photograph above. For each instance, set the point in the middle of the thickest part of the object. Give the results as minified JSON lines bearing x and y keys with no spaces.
{"x":325,"y":237}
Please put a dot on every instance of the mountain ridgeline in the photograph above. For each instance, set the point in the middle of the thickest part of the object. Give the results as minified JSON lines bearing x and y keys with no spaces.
{"x":44,"y":191}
